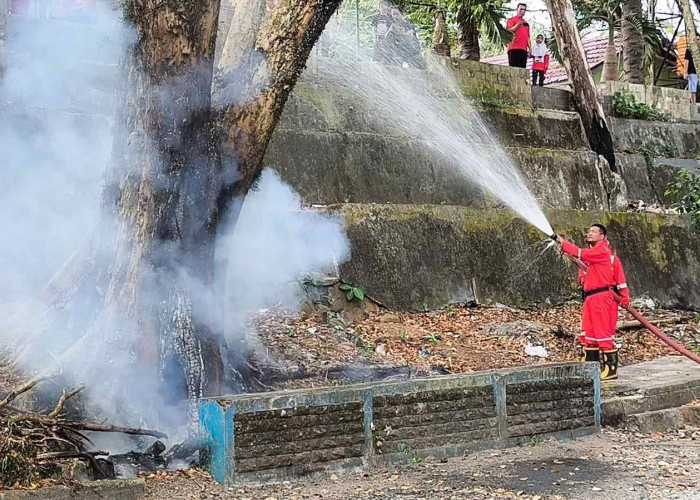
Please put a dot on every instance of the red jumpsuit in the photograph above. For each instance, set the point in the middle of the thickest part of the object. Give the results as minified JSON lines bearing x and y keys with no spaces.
{"x":599,"y":319}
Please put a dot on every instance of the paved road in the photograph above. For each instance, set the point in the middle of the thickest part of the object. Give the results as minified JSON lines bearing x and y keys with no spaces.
{"x":613,"y":465}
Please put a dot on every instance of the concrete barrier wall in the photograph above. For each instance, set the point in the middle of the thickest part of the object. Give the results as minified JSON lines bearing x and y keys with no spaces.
{"x":278,"y":435}
{"x":333,"y":149}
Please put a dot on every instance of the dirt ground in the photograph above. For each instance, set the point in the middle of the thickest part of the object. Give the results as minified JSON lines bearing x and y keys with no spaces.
{"x":455,"y":339}
{"x":615,"y":464}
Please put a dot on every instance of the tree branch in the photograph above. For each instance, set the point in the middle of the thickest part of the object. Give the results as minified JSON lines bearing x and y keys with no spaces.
{"x":87,"y":426}
{"x":27,"y":386}
{"x":55,"y":455}
{"x":62,"y":401}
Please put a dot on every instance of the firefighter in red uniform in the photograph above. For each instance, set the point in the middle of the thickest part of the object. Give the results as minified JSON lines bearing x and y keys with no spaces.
{"x":599,"y":319}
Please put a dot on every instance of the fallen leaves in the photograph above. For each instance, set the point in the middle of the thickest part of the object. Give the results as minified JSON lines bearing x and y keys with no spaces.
{"x":456,"y":339}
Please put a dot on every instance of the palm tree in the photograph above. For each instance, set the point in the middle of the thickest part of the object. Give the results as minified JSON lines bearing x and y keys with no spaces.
{"x":632,"y":42}
{"x":610,"y":13}
{"x":471,"y":19}
{"x":476,"y":18}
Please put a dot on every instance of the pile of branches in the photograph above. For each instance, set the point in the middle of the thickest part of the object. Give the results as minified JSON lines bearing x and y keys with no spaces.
{"x":33,"y":444}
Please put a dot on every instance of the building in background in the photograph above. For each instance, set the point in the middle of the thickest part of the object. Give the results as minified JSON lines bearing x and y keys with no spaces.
{"x":594,"y":46}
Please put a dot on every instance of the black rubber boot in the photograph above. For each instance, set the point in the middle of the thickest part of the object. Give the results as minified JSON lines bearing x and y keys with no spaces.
{"x":609,"y":365}
{"x":590,"y":354}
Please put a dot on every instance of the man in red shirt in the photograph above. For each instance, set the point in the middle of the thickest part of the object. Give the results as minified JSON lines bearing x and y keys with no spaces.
{"x":519,"y":48}
{"x":599,"y":318}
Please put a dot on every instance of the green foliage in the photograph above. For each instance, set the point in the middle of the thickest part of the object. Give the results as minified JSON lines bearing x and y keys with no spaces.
{"x":592,"y":13}
{"x":407,"y":450}
{"x":425,"y":307}
{"x":353,"y":292}
{"x":684,"y":190}
{"x":485,"y":15}
{"x":626,"y":106}
{"x":403,"y":336}
{"x":433,"y":338}
{"x":345,"y":16}
{"x":534,"y":441}
{"x":366,"y":348}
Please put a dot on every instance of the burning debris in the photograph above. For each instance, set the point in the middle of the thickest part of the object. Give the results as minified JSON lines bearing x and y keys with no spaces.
{"x":36,"y":446}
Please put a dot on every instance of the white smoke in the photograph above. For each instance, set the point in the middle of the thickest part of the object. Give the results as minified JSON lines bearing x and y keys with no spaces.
{"x":275,"y":241}
{"x":58,"y":95}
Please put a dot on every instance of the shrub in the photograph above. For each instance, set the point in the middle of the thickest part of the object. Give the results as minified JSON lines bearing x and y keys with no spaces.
{"x":626,"y":106}
{"x":684,"y":190}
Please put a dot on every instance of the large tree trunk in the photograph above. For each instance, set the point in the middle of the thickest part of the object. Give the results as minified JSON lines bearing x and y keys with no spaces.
{"x":441,"y":37}
{"x":179,"y":160}
{"x":270,"y":48}
{"x":583,"y":86}
{"x":690,"y":31}
{"x":632,"y":43}
{"x":610,"y":64}
{"x":161,"y":191}
{"x":469,"y":42}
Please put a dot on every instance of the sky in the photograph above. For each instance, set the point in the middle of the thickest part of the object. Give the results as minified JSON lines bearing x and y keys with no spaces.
{"x":539,"y":18}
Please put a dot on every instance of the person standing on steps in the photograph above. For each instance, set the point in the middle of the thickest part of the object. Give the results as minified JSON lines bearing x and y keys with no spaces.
{"x":519,"y":48}
{"x":540,"y":61}
{"x":691,"y":74}
{"x":599,"y":318}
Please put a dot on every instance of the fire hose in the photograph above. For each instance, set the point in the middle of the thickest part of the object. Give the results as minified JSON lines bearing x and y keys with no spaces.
{"x":642,"y":320}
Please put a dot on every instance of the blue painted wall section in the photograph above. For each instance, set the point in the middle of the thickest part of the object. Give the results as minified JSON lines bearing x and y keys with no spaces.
{"x":281,"y":435}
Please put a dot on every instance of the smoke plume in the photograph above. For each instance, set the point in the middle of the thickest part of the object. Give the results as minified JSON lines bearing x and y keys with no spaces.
{"x":58,"y":99}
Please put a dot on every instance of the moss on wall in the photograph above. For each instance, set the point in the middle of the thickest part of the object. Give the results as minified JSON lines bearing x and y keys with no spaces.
{"x":444,"y":247}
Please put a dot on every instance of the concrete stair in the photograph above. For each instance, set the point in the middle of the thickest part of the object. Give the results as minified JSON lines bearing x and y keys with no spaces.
{"x":653,"y":396}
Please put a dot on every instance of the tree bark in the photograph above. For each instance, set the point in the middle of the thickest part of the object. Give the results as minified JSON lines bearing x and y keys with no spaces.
{"x":632,"y":43}
{"x":469,"y":42}
{"x":160,"y":192}
{"x":582,"y":84}
{"x":468,"y":36}
{"x":690,"y":30}
{"x":441,"y":37}
{"x":271,"y":49}
{"x":179,"y":159}
{"x":610,"y":64}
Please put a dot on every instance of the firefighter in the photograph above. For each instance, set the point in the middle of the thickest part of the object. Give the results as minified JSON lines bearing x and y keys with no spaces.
{"x":599,"y":318}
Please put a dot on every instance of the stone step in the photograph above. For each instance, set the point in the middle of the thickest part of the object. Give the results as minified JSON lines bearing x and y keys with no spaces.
{"x":645,"y":388}
{"x":664,"y":420}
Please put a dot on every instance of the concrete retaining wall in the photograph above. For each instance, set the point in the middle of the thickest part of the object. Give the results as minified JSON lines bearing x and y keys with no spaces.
{"x":675,"y":102}
{"x":334,"y":150}
{"x":672,"y":140}
{"x":447,"y":248}
{"x":646,"y":178}
{"x":479,"y":80}
{"x":274,"y":436}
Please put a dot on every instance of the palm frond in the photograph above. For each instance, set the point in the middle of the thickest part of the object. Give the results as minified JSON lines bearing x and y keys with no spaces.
{"x":652,"y":34}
